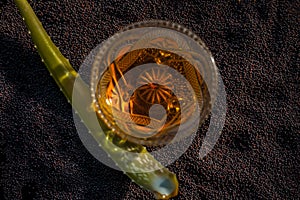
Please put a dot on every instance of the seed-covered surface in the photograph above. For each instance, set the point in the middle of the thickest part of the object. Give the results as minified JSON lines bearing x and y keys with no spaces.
{"x":256,"y":47}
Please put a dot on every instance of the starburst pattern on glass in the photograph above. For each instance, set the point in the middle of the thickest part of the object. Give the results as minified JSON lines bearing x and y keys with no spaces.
{"x":151,"y":92}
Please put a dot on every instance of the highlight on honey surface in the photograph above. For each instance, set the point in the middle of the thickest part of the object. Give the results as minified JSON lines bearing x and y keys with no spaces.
{"x":152,"y":84}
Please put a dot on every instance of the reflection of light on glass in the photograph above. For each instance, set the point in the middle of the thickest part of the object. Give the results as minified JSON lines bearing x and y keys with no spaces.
{"x":108,"y":101}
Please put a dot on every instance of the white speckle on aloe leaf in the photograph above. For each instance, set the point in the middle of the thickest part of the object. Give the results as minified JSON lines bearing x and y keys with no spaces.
{"x":139,"y":160}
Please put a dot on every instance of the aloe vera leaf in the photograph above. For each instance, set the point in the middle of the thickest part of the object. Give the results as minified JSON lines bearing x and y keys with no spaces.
{"x":162,"y":182}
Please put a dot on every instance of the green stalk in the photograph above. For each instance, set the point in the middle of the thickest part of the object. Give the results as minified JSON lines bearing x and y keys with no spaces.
{"x":161,"y":182}
{"x":56,"y":63}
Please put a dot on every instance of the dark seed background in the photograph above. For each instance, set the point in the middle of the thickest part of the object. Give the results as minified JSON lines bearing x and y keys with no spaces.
{"x":256,"y":47}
